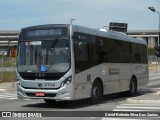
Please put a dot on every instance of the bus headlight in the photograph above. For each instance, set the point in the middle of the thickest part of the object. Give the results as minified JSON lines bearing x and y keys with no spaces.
{"x":66,"y":82}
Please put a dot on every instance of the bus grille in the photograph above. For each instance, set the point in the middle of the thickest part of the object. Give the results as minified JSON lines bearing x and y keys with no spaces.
{"x":41,"y":88}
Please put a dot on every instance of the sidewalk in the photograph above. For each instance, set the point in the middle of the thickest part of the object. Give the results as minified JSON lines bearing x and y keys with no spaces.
{"x":8,"y":86}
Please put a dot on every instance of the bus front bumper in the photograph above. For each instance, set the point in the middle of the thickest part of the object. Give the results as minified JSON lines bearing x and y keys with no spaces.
{"x":64,"y":93}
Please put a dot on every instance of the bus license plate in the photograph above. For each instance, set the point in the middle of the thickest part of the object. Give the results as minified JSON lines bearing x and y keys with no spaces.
{"x":40,"y":94}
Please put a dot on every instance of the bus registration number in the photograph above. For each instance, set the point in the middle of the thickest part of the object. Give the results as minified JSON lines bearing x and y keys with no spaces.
{"x":39,"y":94}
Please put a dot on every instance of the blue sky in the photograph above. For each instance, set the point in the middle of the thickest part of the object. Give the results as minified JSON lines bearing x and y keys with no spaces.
{"x":16,"y":14}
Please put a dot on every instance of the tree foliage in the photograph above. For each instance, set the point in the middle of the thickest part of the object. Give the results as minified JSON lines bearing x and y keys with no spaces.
{"x":151,"y":51}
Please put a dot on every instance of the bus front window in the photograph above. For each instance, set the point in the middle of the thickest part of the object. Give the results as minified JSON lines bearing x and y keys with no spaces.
{"x":53,"y":54}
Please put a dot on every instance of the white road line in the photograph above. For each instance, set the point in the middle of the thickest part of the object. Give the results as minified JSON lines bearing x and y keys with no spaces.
{"x":139,"y":105}
{"x":127,"y":110}
{"x":154,"y":78}
{"x":133,"y":110}
{"x":133,"y":107}
{"x":154,"y":73}
{"x":8,"y":95}
{"x":110,"y":118}
{"x":138,"y":110}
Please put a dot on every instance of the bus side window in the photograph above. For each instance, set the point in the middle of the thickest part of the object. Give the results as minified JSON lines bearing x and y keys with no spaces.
{"x":81,"y":56}
{"x":81,"y":51}
{"x":136,"y":53}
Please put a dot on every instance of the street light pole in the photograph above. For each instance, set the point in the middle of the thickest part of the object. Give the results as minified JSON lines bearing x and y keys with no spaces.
{"x":159,"y":23}
{"x":154,"y":10}
{"x":71,"y":21}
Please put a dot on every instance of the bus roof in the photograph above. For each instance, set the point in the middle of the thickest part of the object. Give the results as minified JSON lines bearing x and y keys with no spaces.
{"x":108,"y":33}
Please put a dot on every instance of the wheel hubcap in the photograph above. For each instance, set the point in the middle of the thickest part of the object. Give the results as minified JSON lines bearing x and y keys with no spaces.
{"x":132,"y":87}
{"x":95,"y":92}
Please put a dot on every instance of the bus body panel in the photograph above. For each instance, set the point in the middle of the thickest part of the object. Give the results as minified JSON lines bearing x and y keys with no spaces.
{"x":141,"y":71}
{"x":115,"y":78}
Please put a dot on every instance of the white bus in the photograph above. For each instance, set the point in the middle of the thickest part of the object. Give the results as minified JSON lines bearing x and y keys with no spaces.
{"x":69,"y":62}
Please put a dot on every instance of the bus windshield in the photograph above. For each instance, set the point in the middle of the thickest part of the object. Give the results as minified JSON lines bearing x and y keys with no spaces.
{"x":51,"y":56}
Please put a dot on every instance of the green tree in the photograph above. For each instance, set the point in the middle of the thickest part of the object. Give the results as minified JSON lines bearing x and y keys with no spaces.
{"x":151,"y":51}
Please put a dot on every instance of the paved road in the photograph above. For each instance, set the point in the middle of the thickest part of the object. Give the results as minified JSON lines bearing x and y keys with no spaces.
{"x":154,"y":80}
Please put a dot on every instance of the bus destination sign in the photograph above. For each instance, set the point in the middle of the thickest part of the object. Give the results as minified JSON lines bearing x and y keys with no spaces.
{"x":46,"y":32}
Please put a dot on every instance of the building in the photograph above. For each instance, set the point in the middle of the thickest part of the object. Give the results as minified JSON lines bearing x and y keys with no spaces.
{"x":151,"y":36}
{"x":9,"y":38}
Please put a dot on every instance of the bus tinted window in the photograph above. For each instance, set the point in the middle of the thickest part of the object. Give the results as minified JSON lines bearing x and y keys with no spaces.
{"x":81,"y":52}
{"x":93,"y":50}
{"x":144,"y":54}
{"x":124,"y":52}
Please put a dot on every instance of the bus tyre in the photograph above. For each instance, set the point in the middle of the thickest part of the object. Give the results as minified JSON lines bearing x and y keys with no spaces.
{"x":96,"y":92}
{"x":49,"y":101}
{"x":132,"y":87}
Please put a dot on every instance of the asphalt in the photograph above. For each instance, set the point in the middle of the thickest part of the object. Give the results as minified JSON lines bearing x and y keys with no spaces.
{"x":148,"y":98}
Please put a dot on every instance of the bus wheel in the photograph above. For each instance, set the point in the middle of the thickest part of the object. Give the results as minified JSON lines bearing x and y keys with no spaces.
{"x":132,"y":87}
{"x":96,"y":92}
{"x":49,"y":101}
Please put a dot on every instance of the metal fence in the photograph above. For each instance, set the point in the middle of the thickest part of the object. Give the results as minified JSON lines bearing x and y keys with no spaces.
{"x":7,"y":69}
{"x":153,"y":60}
